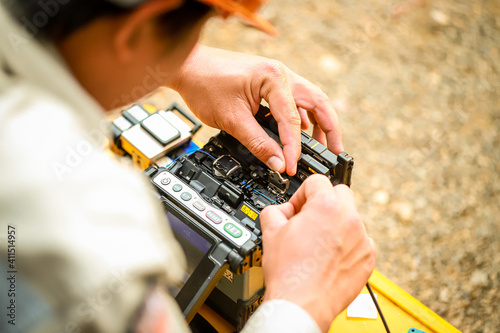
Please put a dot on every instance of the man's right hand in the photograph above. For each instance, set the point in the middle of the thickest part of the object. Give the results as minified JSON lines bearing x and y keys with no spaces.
{"x":317,"y":253}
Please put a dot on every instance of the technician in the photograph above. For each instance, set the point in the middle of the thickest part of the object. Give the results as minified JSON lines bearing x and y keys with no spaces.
{"x":93,"y":251}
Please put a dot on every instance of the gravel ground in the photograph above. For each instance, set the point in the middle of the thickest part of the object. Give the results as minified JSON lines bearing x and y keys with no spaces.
{"x":416,"y":85}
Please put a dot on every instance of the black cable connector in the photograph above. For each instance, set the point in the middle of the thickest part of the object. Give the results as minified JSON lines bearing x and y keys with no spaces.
{"x":378,"y":307}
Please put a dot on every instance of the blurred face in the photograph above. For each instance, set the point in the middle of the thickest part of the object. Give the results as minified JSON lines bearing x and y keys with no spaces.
{"x":155,"y":64}
{"x":120,"y":59}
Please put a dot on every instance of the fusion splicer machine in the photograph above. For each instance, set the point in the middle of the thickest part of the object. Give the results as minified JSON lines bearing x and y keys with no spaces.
{"x":213,"y":198}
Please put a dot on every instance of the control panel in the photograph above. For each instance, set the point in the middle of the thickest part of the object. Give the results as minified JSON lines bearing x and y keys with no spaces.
{"x":213,"y":217}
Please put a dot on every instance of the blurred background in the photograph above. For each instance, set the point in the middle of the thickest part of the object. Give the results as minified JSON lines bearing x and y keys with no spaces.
{"x":415,"y":84}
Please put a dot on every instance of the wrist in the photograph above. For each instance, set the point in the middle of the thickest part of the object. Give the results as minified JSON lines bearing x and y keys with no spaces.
{"x":187,"y":70}
{"x":321,"y":312}
{"x":281,"y":316}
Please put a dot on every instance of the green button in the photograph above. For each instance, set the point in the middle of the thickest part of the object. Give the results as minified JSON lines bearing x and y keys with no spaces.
{"x":233,"y":230}
{"x":177,"y":187}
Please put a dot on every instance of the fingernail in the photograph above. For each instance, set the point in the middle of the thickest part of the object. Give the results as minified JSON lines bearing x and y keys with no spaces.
{"x":275,"y":163}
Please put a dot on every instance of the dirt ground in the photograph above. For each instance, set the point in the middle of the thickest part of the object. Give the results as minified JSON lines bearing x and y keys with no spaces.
{"x":416,"y":87}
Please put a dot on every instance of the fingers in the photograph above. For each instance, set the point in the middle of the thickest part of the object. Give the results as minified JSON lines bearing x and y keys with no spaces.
{"x":274,"y":217}
{"x":374,"y":246}
{"x":293,"y":102}
{"x":304,"y":118}
{"x":319,"y":135}
{"x":312,"y":185}
{"x":276,"y":90}
{"x":363,"y":252}
{"x":248,"y":131}
{"x":287,"y":209}
{"x":344,"y":191}
{"x":310,"y":97}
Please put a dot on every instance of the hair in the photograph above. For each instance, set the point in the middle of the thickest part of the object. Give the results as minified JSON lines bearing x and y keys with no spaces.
{"x":61,"y":18}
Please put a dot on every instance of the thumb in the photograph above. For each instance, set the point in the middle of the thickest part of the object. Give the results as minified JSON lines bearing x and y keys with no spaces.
{"x":252,"y":135}
{"x":274,"y":217}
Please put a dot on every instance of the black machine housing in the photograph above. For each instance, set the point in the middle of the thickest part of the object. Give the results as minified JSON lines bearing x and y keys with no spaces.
{"x":233,"y":187}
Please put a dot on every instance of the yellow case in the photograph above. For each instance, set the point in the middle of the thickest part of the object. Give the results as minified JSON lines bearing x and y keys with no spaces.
{"x":401,"y":311}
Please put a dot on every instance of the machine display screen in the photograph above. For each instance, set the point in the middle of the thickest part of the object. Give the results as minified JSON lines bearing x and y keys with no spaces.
{"x":194,"y":245}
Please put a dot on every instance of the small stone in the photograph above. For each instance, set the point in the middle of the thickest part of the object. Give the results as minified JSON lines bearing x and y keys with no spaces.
{"x":330,"y":63}
{"x":439,"y":17}
{"x":403,"y":210}
{"x":479,"y":279}
{"x":394,"y":233}
{"x":434,"y":79}
{"x":444,"y":295}
{"x":394,"y":127}
{"x":381,"y":197}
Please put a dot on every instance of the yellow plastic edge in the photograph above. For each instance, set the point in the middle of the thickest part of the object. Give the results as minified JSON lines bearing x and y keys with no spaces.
{"x":198,"y":142}
{"x":410,"y":304}
{"x":149,"y":108}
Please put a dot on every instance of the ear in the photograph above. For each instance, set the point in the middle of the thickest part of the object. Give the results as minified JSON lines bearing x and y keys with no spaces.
{"x":129,"y":28}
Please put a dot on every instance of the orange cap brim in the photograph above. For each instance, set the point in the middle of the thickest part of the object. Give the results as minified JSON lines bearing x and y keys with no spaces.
{"x":252,"y":18}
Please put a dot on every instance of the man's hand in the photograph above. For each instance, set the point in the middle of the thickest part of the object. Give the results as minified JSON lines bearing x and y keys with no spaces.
{"x":224,"y":89}
{"x":316,"y":250}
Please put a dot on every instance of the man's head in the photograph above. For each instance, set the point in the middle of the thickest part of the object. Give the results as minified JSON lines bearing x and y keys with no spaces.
{"x":120,"y":50}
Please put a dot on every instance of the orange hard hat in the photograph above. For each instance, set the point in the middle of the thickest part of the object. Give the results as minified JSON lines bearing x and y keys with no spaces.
{"x":246,"y":10}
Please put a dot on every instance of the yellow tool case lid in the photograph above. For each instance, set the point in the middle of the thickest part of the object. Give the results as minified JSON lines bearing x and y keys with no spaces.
{"x":403,"y":313}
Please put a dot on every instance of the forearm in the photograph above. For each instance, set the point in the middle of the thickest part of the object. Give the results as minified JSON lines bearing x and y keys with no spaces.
{"x":199,"y":56}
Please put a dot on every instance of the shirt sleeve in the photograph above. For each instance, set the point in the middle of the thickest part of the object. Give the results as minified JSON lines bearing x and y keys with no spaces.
{"x":91,"y":239}
{"x":280,"y":316}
